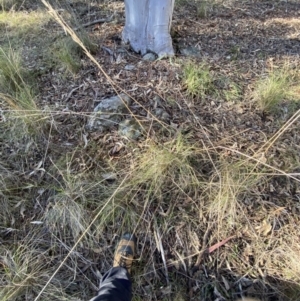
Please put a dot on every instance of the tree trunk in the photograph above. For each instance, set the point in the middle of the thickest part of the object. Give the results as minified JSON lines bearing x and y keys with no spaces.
{"x":147,"y":26}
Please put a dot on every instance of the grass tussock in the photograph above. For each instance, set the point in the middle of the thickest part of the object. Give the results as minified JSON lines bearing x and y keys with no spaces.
{"x":232,"y":204}
{"x":69,"y":54}
{"x":16,"y":82}
{"x":18,"y":92}
{"x":66,"y":217}
{"x":203,"y":7}
{"x":12,"y":71}
{"x":25,"y":269}
{"x":278,"y":87}
{"x":229,"y":184}
{"x":198,"y":80}
{"x":158,"y":164}
{"x":73,"y":190}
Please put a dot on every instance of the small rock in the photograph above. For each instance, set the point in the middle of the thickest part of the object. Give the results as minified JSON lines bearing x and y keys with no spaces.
{"x":149,"y":57}
{"x":190,"y":51}
{"x":129,"y":67}
{"x":162,"y":114}
{"x":130,"y":129}
{"x":158,"y":112}
{"x":240,"y":110}
{"x":108,"y":112}
{"x":165,"y":116}
{"x":157,"y":100}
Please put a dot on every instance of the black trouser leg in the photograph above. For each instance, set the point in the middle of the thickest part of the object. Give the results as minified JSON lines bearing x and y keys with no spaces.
{"x":115,"y":286}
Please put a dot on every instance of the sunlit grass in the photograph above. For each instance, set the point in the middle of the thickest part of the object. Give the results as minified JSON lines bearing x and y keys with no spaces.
{"x":158,"y":164}
{"x":276,"y":88}
{"x":20,"y":23}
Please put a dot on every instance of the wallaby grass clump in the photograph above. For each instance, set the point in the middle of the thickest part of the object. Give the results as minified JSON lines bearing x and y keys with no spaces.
{"x":267,"y":256}
{"x":75,"y":195}
{"x":25,"y":269}
{"x":66,"y":217}
{"x":277,"y":87}
{"x":158,"y":164}
{"x":18,"y":91}
{"x":12,"y":72}
{"x":230,"y":182}
{"x":180,"y":2}
{"x":227,"y":89}
{"x":198,"y":79}
{"x":203,"y":6}
{"x":70,"y":53}
{"x":232,"y":92}
{"x":230,"y":193}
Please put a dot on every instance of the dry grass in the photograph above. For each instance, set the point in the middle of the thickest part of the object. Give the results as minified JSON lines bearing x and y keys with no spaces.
{"x":278,"y":87}
{"x":158,"y":164}
{"x":61,"y":217}
{"x":24,"y":267}
{"x":20,"y":23}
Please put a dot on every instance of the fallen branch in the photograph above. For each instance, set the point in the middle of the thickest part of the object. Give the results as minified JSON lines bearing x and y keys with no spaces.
{"x":93,"y":23}
{"x":219,"y":244}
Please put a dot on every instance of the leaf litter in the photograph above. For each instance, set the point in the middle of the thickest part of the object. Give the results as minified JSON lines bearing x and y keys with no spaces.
{"x":239,"y":41}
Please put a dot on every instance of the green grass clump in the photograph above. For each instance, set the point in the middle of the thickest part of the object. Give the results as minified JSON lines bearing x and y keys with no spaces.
{"x":276,"y":88}
{"x":180,"y":2}
{"x":203,"y":7}
{"x":12,"y":73}
{"x":198,"y":79}
{"x":227,"y":188}
{"x":70,"y":53}
{"x":160,"y":164}
{"x":16,"y":84}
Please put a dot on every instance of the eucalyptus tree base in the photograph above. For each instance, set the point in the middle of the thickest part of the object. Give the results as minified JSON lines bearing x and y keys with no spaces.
{"x":147,"y":26}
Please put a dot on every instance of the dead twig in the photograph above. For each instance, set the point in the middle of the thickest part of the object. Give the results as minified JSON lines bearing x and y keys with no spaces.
{"x":161,"y":250}
{"x":94,"y":22}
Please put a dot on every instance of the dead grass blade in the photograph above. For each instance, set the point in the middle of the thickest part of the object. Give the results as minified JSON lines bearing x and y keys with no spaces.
{"x":79,"y":239}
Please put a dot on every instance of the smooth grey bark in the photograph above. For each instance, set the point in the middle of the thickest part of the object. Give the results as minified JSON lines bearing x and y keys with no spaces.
{"x":147,"y":26}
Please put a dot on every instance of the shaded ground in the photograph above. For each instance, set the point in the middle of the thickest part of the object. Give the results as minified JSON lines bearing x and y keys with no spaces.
{"x":240,"y":41}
